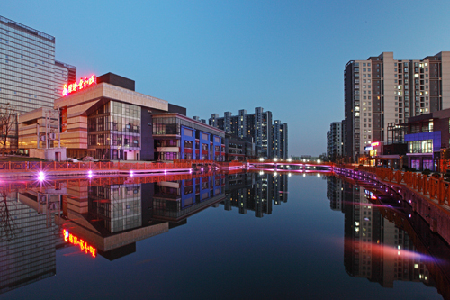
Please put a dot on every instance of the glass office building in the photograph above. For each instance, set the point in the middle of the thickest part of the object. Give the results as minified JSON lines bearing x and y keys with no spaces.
{"x":113,"y":128}
{"x":30,"y":78}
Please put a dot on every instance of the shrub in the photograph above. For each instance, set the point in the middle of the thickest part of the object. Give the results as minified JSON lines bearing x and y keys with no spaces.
{"x":426,"y":172}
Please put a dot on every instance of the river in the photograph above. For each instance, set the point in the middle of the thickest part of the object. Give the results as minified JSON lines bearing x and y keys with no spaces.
{"x":216,"y":236}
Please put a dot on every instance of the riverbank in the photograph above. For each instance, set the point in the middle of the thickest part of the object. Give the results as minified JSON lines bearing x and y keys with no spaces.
{"x":427,"y":196}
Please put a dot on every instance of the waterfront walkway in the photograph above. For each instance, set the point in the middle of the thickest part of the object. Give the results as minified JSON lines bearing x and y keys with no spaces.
{"x":16,"y":170}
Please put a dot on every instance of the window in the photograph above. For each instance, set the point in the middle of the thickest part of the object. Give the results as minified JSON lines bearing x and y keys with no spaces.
{"x":420,"y":146}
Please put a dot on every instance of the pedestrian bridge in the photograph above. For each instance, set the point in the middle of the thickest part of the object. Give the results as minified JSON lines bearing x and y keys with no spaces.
{"x":302,"y":164}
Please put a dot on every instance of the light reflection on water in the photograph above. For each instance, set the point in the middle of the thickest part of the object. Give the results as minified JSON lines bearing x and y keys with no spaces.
{"x":241,"y":226}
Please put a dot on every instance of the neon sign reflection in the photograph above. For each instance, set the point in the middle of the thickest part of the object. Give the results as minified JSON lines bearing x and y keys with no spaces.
{"x":70,"y":238}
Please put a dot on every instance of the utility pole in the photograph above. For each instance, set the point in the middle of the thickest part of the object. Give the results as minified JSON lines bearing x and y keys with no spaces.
{"x":46,"y":129}
{"x":59,"y":130}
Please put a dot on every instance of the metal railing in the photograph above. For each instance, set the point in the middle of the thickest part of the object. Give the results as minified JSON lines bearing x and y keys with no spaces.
{"x":436,"y":188}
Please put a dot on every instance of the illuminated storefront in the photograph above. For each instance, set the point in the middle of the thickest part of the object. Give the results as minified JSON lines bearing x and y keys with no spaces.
{"x":179,"y":137}
{"x":421,"y":148}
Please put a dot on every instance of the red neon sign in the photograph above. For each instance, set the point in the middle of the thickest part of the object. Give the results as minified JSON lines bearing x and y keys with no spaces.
{"x":84,"y":82}
{"x":70,"y":238}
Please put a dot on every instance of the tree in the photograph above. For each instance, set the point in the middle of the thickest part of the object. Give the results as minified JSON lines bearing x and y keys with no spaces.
{"x":8,"y":121}
{"x":8,"y":228}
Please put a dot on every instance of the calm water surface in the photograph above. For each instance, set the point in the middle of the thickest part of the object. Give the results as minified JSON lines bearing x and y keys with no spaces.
{"x":219,"y":237}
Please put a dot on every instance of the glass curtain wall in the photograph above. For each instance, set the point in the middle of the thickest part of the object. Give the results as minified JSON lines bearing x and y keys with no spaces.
{"x":421,"y":146}
{"x":114,"y":128}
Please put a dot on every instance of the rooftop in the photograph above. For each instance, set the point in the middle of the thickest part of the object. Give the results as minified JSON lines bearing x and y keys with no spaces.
{"x":25,"y":28}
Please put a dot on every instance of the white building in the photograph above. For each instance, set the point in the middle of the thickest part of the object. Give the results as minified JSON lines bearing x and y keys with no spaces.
{"x":382,"y":90}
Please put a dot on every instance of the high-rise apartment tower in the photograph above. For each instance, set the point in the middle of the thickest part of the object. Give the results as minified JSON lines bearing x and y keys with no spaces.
{"x":382,"y":90}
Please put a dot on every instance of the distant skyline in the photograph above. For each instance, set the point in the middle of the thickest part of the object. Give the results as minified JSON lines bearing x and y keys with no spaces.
{"x":212,"y":57}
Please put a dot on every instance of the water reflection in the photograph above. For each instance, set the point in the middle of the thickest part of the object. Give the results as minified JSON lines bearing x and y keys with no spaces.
{"x":112,"y":218}
{"x":108,"y":215}
{"x":255,"y":192}
{"x":385,"y":241}
{"x":28,"y":241}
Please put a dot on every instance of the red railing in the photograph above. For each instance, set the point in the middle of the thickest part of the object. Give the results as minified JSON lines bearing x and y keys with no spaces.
{"x":195,"y":161}
{"x":231,"y":164}
{"x":434,"y":187}
{"x":73,"y":166}
{"x":290,"y":162}
{"x":9,"y":186}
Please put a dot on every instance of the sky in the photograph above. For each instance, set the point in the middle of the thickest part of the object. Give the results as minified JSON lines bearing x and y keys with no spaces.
{"x":216,"y":56}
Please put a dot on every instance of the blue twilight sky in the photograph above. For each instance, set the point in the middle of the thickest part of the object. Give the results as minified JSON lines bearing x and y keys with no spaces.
{"x":217,"y":56}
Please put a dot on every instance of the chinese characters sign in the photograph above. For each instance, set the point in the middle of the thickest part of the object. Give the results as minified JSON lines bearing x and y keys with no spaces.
{"x":70,"y":238}
{"x":68,"y":89}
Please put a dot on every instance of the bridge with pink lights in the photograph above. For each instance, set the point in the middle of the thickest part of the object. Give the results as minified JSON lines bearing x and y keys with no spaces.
{"x":303,"y":165}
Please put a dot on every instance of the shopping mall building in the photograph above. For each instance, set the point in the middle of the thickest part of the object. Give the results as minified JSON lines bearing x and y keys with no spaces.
{"x":105,"y":118}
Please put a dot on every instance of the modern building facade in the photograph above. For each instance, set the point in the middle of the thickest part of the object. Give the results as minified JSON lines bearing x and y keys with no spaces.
{"x":382,"y":90}
{"x":105,"y":120}
{"x":427,"y":135}
{"x":259,"y":127}
{"x":32,"y":77}
{"x":280,"y":140}
{"x":335,"y":142}
{"x":239,"y":148}
{"x":179,"y":137}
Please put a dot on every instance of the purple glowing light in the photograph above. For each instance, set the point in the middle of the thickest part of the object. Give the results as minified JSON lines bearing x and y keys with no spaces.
{"x":41,"y":176}
{"x":131,"y":173}
{"x":90,"y":174}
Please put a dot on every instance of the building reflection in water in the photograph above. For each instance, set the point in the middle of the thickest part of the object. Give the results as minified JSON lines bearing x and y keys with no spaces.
{"x":387,"y":241}
{"x":108,"y":216}
{"x":28,"y":237}
{"x":255,"y":192}
{"x":112,"y":218}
